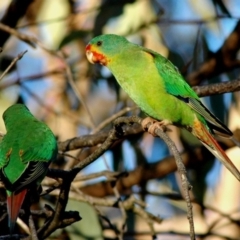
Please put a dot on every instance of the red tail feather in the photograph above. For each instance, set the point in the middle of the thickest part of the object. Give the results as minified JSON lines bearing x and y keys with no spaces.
{"x":14,"y":203}
{"x":202,"y":133}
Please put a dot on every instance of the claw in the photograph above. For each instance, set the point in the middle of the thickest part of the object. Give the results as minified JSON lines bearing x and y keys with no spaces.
{"x":149,"y":124}
{"x":146,"y":122}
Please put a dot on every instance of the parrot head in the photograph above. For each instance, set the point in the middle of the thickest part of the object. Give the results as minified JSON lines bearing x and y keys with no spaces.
{"x":13,"y":112}
{"x":15,"y":109}
{"x":102,"y":49}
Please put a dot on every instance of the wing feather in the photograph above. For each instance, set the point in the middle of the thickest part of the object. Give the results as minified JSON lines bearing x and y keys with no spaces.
{"x":216,"y":125}
{"x":33,"y":171}
{"x":177,"y":86}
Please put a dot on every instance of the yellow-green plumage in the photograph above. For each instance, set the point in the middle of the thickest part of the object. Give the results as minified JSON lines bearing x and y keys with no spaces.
{"x":148,"y":88}
{"x":159,"y":90}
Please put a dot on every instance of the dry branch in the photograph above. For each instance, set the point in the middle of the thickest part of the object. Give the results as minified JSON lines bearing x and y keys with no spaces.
{"x":19,"y":56}
{"x":183,"y":174}
{"x":224,"y":60}
{"x":94,"y":140}
{"x":217,"y":88}
{"x":15,"y":11}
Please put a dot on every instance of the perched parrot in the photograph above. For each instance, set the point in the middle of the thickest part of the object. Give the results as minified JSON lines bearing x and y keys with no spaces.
{"x":25,"y":154}
{"x":158,"y":88}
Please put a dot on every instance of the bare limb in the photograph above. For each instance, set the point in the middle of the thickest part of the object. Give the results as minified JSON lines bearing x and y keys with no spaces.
{"x":94,"y":140}
{"x":217,"y":88}
{"x":33,"y":229}
{"x":183,"y":174}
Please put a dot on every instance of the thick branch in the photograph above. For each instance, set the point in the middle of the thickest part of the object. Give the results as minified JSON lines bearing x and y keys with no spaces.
{"x":94,"y":140}
{"x":217,"y":88}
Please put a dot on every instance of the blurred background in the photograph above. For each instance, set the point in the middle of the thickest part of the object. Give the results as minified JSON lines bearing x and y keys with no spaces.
{"x":56,"y":82}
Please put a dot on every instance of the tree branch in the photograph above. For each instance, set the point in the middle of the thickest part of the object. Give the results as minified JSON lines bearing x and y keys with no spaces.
{"x":224,"y":60}
{"x":58,"y":220}
{"x":15,"y":11}
{"x":94,"y":140}
{"x":217,"y":88}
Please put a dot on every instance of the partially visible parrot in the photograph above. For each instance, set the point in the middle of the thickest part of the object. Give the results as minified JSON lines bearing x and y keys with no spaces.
{"x":26,"y":151}
{"x":158,"y":88}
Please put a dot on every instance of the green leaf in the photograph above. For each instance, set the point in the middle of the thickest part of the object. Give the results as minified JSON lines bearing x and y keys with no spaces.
{"x":89,"y":227}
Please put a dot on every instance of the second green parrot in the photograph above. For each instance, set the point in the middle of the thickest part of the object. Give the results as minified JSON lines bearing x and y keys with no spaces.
{"x":25,"y":154}
{"x":158,"y":88}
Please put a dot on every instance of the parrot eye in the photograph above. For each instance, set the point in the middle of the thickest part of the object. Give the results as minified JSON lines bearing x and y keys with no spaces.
{"x":99,"y":43}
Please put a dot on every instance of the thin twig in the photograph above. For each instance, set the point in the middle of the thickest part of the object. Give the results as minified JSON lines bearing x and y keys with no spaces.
{"x":13,"y":237}
{"x":40,"y":76}
{"x":69,"y":116}
{"x":30,"y":40}
{"x":33,"y":229}
{"x":76,"y":90}
{"x":19,"y":56}
{"x":111,"y":176}
{"x":99,"y":212}
{"x":183,"y":174}
{"x":112,"y":118}
{"x":128,"y":204}
{"x":25,"y":38}
{"x":67,"y":155}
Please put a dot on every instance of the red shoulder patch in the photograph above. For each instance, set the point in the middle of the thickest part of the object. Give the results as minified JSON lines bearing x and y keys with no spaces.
{"x":8,"y":153}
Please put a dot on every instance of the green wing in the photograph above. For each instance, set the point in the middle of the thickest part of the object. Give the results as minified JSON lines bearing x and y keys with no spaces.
{"x":178,"y":87}
{"x":173,"y":80}
{"x":23,"y":163}
{"x":42,"y":148}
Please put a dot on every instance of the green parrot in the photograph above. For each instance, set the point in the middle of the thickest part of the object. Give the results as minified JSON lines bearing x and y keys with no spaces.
{"x":26,"y":151}
{"x":158,"y":88}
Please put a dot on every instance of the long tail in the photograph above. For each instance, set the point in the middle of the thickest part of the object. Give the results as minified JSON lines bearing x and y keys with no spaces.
{"x":235,"y":141}
{"x":14,"y":203}
{"x":202,"y":133}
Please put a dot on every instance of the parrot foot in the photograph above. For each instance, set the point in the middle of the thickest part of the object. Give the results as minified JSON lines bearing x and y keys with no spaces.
{"x":150,"y":124}
{"x":146,"y":122}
